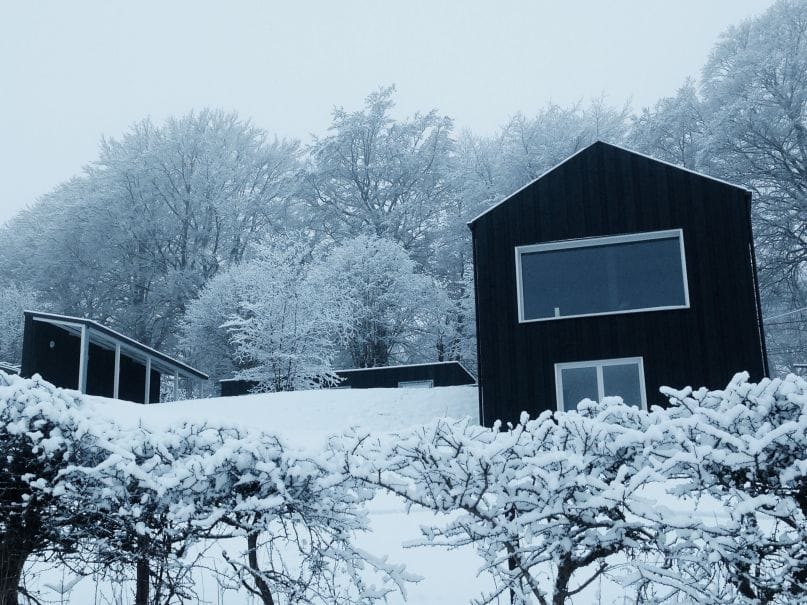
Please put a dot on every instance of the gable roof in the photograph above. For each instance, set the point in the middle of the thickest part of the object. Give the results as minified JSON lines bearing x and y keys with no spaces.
{"x":586,"y":148}
{"x":102,"y":335}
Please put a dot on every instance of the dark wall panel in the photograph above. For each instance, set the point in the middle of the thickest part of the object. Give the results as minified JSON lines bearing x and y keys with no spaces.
{"x":100,"y":371}
{"x":51,"y":352}
{"x":132,"y":385}
{"x":602,"y":191}
{"x":441,"y":374}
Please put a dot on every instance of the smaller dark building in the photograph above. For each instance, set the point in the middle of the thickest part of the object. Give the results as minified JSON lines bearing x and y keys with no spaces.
{"x":81,"y":354}
{"x":421,"y":375}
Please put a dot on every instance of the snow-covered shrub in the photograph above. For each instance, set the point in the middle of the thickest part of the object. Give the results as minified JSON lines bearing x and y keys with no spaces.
{"x":704,"y":501}
{"x":155,"y":496}
{"x":111,"y":500}
{"x":546,"y":504}
{"x":162,"y":492}
{"x":297,"y":516}
{"x":745,"y":449}
{"x":43,"y":430}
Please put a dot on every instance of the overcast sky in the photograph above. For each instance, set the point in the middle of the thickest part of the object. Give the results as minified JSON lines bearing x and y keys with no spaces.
{"x":71,"y":72}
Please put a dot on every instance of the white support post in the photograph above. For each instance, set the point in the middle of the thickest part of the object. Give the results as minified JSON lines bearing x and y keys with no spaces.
{"x":148,"y":381}
{"x":116,"y":384}
{"x":176,"y":385}
{"x":83,"y":360}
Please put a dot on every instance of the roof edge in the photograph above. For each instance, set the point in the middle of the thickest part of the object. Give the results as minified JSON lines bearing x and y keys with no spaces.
{"x":601,"y":142}
{"x":411,"y":365}
{"x":122,"y":337}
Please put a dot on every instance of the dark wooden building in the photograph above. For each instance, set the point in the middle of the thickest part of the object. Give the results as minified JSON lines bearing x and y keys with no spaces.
{"x":420,"y":375}
{"x":613,"y":274}
{"x":81,"y":354}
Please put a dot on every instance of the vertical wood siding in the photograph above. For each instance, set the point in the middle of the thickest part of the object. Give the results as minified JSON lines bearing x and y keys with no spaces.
{"x":606,"y":190}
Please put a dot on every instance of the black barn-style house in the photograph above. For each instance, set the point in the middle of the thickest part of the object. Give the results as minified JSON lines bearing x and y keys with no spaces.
{"x":613,"y":274}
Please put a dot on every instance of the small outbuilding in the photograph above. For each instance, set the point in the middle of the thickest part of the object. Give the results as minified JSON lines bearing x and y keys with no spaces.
{"x":613,"y":274}
{"x":82,"y":354}
{"x":419,"y":375}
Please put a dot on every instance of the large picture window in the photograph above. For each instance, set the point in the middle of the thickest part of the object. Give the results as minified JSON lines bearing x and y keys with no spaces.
{"x":602,"y":275}
{"x":597,"y":379}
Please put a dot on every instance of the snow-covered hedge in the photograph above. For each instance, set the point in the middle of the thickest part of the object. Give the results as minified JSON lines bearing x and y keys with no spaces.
{"x":110,"y":499}
{"x":703,"y":501}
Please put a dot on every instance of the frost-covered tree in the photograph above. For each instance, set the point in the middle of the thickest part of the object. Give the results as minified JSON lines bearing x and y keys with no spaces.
{"x":745,"y":121}
{"x":159,"y":213}
{"x":393,"y":311}
{"x":288,"y":323}
{"x":755,"y":85}
{"x":13,"y":301}
{"x":530,"y":146}
{"x":674,"y":130}
{"x":206,"y":341}
{"x":378,"y":175}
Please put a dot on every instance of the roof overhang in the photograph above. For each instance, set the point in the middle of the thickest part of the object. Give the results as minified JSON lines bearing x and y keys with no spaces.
{"x":107,"y":338}
{"x":409,"y":365}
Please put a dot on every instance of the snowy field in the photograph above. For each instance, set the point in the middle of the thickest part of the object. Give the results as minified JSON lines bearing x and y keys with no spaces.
{"x":306,"y":419}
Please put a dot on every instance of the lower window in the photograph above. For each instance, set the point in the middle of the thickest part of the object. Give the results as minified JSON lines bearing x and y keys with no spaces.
{"x":597,"y":379}
{"x":416,"y":384}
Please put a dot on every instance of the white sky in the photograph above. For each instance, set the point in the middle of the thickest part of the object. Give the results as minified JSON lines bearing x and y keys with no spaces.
{"x":71,"y":72}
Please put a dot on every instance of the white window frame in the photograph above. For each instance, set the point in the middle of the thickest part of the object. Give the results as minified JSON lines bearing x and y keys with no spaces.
{"x":408,"y":384}
{"x":598,"y":364}
{"x":600,"y":241}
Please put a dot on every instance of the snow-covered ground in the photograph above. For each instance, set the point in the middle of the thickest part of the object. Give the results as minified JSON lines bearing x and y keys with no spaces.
{"x":306,"y":419}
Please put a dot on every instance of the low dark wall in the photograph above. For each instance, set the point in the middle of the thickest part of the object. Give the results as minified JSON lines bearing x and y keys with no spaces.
{"x":230,"y":388}
{"x":441,"y":374}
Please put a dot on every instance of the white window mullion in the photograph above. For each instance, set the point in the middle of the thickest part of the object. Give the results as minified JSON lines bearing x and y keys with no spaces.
{"x":600,"y":383}
{"x":147,"y":385}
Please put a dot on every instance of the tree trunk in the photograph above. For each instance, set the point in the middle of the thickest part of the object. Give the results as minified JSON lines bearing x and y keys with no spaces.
{"x":561,"y":592}
{"x":12,"y":561}
{"x":260,"y":583}
{"x":142,"y":582}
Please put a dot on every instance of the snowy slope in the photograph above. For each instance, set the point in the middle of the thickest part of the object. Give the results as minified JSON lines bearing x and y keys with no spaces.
{"x":306,"y":419}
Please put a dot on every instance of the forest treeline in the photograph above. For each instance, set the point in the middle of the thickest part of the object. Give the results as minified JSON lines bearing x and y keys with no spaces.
{"x":246,"y":254}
